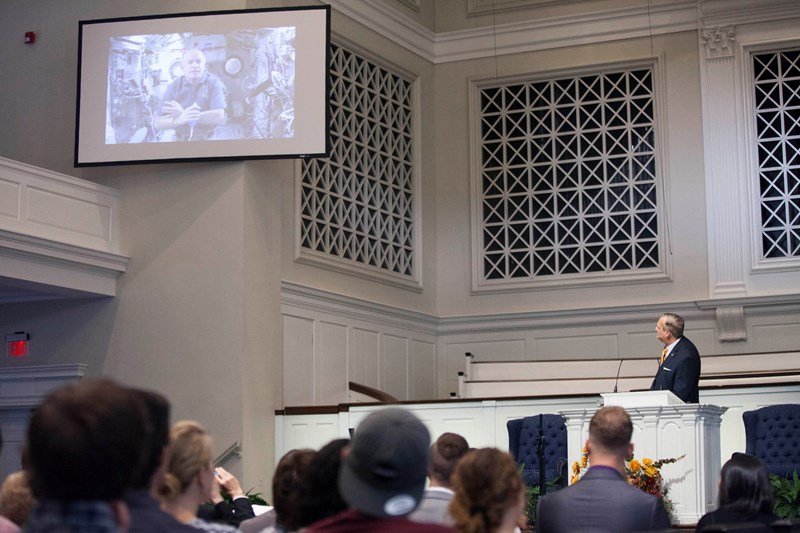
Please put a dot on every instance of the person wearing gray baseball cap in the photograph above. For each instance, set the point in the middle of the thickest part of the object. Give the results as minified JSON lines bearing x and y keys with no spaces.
{"x":383,"y":475}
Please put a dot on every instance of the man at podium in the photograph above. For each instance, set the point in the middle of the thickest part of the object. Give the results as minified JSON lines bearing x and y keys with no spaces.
{"x":679,"y":365}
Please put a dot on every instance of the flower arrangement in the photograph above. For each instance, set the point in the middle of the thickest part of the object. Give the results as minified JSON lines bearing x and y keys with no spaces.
{"x":644,"y":474}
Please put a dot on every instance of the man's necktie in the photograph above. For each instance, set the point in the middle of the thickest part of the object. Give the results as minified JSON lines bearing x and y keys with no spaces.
{"x":663,"y":356}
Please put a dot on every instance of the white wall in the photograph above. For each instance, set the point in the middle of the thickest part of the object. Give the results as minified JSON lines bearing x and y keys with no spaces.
{"x":330,"y":340}
{"x":683,"y":177}
{"x":198,"y":314}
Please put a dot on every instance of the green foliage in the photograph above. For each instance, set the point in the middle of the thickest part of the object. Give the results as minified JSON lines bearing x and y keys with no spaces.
{"x":532,"y":494}
{"x":787,"y":495}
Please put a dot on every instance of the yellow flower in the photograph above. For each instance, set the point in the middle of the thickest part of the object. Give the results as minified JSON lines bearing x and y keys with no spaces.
{"x":647,"y":461}
{"x":650,"y":471}
{"x":634,"y":466}
{"x":574,"y":479}
{"x":576,"y":469}
{"x":584,"y":461}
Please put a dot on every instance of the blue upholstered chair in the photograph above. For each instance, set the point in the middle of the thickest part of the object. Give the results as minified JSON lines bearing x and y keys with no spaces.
{"x":772,"y":434}
{"x":522,"y":435}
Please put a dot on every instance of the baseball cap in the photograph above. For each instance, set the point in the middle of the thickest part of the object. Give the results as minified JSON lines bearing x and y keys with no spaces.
{"x":384,"y":472}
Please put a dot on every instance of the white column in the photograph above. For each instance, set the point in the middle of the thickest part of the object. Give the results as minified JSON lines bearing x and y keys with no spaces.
{"x":724,"y":194}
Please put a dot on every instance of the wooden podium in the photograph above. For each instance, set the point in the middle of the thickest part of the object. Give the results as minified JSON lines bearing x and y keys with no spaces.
{"x":663,"y":427}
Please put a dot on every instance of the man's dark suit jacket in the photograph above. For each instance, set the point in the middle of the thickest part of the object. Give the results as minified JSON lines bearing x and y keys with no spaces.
{"x":601,"y":501}
{"x":680,"y":372}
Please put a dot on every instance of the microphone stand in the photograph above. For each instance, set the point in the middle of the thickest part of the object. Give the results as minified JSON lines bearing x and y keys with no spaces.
{"x":616,"y":380}
{"x":540,"y":443}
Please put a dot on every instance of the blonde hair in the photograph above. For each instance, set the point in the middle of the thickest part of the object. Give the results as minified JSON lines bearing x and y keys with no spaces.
{"x":486,"y":483}
{"x":189,"y":454}
{"x":16,"y":500}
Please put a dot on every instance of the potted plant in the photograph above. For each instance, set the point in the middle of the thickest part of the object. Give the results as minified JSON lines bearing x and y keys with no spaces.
{"x":787,"y":495}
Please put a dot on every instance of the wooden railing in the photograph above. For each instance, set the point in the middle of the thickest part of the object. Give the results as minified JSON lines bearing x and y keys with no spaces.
{"x":364,"y":393}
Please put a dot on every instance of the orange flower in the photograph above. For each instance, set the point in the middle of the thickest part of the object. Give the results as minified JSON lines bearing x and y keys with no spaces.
{"x":576,"y":468}
{"x":584,"y":461}
{"x":647,"y":461}
{"x":574,"y":479}
{"x":634,"y":466}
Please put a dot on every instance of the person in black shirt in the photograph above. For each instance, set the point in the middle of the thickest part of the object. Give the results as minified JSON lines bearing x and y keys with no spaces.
{"x":745,"y":494}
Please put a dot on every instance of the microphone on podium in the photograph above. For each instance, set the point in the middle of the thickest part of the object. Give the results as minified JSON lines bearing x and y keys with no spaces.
{"x":616,"y":380}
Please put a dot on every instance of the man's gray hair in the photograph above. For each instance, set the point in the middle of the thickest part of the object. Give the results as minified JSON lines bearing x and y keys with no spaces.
{"x":674,"y":324}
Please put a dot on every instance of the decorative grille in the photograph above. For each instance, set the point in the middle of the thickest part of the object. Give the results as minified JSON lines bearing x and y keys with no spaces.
{"x":568,"y":177}
{"x":357,"y":205}
{"x":777,"y":115}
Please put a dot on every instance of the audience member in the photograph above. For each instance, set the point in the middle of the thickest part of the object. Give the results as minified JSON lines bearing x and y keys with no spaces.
{"x":287,"y":494}
{"x":232,"y":512}
{"x":442,"y":460}
{"x":85,"y":446}
{"x":8,"y":524}
{"x":145,"y":509}
{"x":603,"y":500}
{"x":322,"y":498}
{"x":745,"y":494}
{"x":489,"y":493}
{"x":189,"y":479}
{"x":382,"y":477}
{"x":16,"y":500}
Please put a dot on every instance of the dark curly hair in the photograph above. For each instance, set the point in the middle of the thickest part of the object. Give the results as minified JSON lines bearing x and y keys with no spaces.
{"x":287,"y":483}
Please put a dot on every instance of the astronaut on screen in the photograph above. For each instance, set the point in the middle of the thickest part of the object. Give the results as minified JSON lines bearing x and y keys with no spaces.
{"x":195,"y":103}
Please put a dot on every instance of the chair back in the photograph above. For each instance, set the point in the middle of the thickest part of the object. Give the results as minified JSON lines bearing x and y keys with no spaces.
{"x":772,"y":434}
{"x":522,"y":439}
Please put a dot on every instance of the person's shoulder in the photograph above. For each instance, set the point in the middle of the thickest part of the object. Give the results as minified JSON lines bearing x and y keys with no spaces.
{"x":7,"y":526}
{"x":687,"y":344}
{"x":212,"y":527}
{"x":355,"y":521}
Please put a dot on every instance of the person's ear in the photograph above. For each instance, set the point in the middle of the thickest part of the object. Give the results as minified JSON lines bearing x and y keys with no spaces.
{"x":588,"y":446}
{"x":122,"y":515}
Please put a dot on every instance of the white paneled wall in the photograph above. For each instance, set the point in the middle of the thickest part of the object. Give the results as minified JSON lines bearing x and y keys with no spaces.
{"x":483,"y":423}
{"x":768,"y":325}
{"x":330,"y":340}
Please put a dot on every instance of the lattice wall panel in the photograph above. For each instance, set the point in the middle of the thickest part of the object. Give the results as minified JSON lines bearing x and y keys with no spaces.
{"x":568,"y":177}
{"x":357,"y":205}
{"x":777,"y":115}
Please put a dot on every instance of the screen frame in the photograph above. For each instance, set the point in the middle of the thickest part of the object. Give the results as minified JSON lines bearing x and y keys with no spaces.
{"x":92,"y":151}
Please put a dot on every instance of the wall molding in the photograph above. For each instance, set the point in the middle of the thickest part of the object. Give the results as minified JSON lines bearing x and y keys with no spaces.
{"x":58,"y":234}
{"x":392,"y":24}
{"x":319,"y":300}
{"x":27,"y":386}
{"x":489,"y":7}
{"x":554,"y":32}
{"x":295,"y":295}
{"x":732,"y":12}
{"x":56,"y":268}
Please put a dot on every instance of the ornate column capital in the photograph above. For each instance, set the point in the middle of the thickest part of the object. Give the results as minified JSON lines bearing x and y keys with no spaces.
{"x":718,"y":41}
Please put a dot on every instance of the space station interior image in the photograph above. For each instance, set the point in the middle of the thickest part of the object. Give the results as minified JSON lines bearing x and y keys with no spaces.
{"x":189,"y":87}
